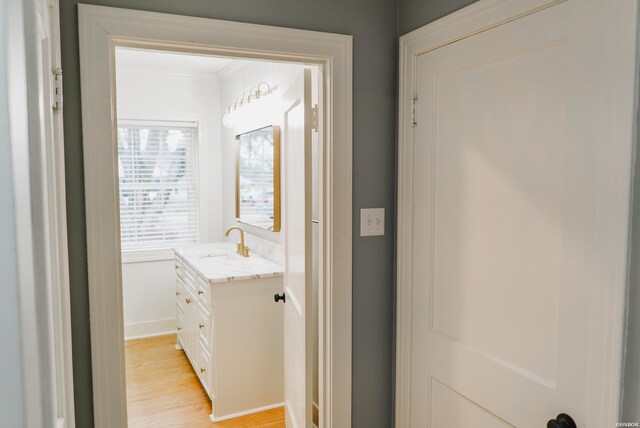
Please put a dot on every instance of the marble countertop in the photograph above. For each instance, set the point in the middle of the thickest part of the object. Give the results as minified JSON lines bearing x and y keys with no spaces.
{"x":218,"y":262}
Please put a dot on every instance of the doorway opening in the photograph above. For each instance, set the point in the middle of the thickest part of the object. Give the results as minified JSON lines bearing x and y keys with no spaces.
{"x":102,"y":31}
{"x":203,"y":153}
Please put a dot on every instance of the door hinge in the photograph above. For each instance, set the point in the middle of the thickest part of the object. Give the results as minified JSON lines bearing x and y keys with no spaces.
{"x":56,"y":89}
{"x":414,"y":122}
{"x":314,"y":112}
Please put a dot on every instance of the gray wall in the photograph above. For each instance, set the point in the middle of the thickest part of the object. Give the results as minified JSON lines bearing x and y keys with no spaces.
{"x":373,"y":25}
{"x":414,"y":14}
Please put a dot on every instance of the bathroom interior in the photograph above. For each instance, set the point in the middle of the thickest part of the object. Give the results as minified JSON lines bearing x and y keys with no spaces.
{"x":201,"y":165}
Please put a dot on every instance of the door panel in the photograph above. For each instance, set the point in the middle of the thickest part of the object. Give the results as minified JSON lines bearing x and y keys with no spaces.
{"x":500,"y":184}
{"x":298,"y":254}
{"x":503,"y":226}
{"x":451,"y":409}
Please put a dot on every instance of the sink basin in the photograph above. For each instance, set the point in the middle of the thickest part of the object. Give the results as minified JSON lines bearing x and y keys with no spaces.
{"x":214,"y":256}
{"x":220,"y":258}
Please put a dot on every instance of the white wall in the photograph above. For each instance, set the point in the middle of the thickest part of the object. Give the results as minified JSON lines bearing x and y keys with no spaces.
{"x":152,"y":94}
{"x":235,"y":80}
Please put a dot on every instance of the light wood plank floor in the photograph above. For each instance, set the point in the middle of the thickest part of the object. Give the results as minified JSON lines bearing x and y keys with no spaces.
{"x":164,"y":392}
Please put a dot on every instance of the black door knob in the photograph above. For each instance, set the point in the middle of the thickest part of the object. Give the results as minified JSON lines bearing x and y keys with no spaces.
{"x":277,"y":297}
{"x":562,"y":421}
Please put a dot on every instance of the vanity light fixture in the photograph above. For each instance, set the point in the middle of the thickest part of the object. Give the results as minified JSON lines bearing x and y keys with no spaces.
{"x":254,"y":94}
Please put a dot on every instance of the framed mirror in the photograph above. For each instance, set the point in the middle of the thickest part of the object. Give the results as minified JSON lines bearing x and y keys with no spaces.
{"x":258,"y":178}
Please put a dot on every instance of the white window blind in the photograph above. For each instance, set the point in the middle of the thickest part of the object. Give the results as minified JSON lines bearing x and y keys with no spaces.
{"x":157,"y":168}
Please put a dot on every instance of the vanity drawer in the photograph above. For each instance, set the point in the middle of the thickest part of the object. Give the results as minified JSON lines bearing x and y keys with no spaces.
{"x":180,"y":325}
{"x":179,"y":264}
{"x":186,"y":302}
{"x":189,"y":301}
{"x":204,"y":326}
{"x":203,"y":292}
{"x":180,"y":287}
{"x":190,"y":278}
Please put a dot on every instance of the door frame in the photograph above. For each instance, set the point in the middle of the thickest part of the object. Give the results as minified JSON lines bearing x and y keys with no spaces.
{"x":617,"y":92}
{"x":101,"y":30}
{"x":41,"y":220}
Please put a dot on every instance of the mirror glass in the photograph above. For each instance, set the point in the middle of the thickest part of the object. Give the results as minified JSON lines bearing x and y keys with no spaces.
{"x":258,"y":178}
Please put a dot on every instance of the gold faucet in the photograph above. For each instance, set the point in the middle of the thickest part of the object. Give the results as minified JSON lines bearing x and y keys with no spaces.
{"x":241,"y":249}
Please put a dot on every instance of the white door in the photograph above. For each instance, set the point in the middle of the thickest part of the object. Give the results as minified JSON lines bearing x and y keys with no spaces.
{"x":504,"y":225}
{"x":298,"y":258}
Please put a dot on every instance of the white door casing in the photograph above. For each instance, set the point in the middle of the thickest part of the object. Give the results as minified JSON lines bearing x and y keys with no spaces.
{"x":513,"y":214}
{"x":101,"y":29}
{"x":298,"y":255}
{"x":48,"y":211}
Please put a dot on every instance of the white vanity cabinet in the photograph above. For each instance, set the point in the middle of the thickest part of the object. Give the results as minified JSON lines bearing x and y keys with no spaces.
{"x":230,"y":327}
{"x":193,"y":319}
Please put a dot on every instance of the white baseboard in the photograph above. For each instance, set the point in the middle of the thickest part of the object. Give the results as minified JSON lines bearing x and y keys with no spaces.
{"x":149,"y":329}
{"x":244,"y":413}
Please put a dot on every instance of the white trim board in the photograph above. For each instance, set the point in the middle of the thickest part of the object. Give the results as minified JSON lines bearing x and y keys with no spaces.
{"x":613,"y":189}
{"x":40,"y":212}
{"x":245,"y":413}
{"x":146,"y":329}
{"x":103,"y":28}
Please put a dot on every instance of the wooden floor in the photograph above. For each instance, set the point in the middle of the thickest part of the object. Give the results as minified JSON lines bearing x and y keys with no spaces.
{"x":164,"y":392}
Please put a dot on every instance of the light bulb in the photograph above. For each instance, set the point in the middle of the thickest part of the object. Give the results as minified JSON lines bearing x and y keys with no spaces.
{"x":226,"y":120}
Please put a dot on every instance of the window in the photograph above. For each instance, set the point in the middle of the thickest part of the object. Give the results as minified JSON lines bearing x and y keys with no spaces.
{"x":157,"y":167}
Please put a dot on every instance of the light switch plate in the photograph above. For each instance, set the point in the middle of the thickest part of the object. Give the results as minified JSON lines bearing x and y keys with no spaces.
{"x":371,"y":221}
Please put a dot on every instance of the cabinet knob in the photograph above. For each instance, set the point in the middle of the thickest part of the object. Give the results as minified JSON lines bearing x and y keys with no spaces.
{"x":562,"y":421}
{"x":179,"y":328}
{"x":177,"y":293}
{"x":277,"y":297}
{"x":200,"y":326}
{"x":187,"y":300}
{"x":200,"y":292}
{"x":202,"y":370}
